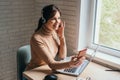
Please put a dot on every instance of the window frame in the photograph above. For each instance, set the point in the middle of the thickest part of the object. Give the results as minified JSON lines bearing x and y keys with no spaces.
{"x":90,"y":26}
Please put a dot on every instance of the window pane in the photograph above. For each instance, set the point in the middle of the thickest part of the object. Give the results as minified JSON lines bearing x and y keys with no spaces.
{"x":107,"y":31}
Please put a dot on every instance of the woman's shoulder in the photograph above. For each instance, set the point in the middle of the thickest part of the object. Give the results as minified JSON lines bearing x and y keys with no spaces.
{"x":36,"y":36}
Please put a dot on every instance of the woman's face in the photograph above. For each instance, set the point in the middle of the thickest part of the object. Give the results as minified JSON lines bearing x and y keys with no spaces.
{"x":54,"y":22}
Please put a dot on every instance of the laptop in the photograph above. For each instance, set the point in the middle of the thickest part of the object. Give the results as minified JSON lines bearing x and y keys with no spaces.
{"x":76,"y":71}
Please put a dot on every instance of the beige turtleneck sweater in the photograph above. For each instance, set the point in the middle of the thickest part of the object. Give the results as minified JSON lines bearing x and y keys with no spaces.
{"x":45,"y":45}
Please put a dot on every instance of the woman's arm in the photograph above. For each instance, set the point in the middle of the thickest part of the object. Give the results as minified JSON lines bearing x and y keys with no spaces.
{"x":41,"y":51}
{"x":62,"y":46}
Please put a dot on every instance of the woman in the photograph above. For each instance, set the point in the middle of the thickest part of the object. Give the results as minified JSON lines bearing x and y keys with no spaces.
{"x":49,"y":41}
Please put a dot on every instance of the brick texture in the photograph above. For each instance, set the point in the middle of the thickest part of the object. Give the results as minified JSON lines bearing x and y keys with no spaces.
{"x":18,"y":20}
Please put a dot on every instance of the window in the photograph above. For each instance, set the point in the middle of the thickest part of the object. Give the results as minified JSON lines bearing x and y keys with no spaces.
{"x":99,"y":21}
{"x":105,"y":26}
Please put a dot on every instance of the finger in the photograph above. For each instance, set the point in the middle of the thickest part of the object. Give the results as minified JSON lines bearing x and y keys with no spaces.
{"x":81,"y":58}
{"x":78,"y":62}
{"x":63,"y":23}
{"x":74,"y":59}
{"x":74,"y":56}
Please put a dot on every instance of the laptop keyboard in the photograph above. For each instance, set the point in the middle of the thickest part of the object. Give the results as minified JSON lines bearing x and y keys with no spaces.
{"x":73,"y":70}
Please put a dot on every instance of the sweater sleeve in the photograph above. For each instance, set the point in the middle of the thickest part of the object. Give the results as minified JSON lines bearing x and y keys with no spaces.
{"x":42,"y":52}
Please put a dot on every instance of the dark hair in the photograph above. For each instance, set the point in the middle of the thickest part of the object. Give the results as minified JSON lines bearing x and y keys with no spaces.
{"x":47,"y":12}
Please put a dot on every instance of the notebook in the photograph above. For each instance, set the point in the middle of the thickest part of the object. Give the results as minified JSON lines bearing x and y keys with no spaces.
{"x":76,"y":71}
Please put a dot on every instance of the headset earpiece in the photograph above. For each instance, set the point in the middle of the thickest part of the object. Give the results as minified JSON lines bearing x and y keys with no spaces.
{"x":43,"y":20}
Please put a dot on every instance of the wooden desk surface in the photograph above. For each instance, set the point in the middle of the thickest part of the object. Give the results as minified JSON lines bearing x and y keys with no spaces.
{"x":93,"y":70}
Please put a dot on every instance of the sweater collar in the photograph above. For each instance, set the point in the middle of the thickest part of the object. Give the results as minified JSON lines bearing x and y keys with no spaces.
{"x":45,"y":31}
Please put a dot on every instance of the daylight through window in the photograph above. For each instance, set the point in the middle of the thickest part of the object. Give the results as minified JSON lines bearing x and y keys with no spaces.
{"x":107,"y":24}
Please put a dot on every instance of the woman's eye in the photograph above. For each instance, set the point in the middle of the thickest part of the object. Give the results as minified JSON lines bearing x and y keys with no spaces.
{"x":53,"y":19}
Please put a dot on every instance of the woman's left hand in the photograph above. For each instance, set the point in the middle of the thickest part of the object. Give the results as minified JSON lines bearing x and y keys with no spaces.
{"x":60,"y":30}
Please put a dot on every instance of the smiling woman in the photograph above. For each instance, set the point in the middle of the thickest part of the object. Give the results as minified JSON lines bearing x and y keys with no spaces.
{"x":48,"y":41}
{"x":54,"y":22}
{"x":50,"y":15}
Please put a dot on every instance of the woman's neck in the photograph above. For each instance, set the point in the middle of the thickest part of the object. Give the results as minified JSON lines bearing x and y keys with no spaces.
{"x":44,"y":30}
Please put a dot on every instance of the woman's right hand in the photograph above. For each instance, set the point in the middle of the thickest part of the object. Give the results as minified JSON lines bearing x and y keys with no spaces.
{"x":60,"y":30}
{"x":76,"y":61}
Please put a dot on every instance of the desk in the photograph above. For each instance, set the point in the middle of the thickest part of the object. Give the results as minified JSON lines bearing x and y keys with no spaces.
{"x":93,"y":70}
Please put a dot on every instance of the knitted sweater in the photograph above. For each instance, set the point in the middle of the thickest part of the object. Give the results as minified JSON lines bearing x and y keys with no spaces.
{"x":44,"y":48}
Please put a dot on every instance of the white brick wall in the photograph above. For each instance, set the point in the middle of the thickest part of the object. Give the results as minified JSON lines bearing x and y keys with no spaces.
{"x":18,"y":19}
{"x":17,"y":22}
